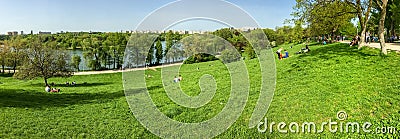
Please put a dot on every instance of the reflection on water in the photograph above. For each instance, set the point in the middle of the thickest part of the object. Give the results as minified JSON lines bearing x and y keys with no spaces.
{"x":79,"y":52}
{"x":83,"y":66}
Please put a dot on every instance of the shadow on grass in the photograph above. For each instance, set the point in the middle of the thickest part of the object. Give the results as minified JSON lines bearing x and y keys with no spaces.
{"x":32,"y":99}
{"x":6,"y":74}
{"x":130,"y":92}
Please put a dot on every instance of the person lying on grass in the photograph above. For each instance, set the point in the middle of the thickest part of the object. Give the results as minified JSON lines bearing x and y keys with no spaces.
{"x":304,"y":50}
{"x":49,"y":89}
{"x":55,"y":90}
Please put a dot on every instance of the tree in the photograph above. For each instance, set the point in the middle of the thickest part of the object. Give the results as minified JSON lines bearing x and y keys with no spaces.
{"x":76,"y":61}
{"x":159,"y":52}
{"x":44,"y":60}
{"x":4,"y":55}
{"x":169,"y":40}
{"x":328,"y":16}
{"x":382,"y":4}
{"x":271,"y":34}
{"x":393,"y":16}
{"x":92,"y":47}
{"x":150,"y":55}
{"x":363,"y":10}
{"x":138,"y":48}
{"x":16,"y":45}
{"x":323,"y":18}
{"x":230,"y":55}
{"x":224,"y":33}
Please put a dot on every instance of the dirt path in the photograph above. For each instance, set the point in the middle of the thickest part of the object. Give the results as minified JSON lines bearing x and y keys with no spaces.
{"x":117,"y":71}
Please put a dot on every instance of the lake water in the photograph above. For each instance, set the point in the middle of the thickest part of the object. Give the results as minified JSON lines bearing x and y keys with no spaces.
{"x":83,"y":64}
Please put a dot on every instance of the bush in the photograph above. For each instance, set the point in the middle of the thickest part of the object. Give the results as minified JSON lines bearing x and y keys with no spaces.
{"x":198,"y":58}
{"x":249,"y":52}
{"x":230,"y":55}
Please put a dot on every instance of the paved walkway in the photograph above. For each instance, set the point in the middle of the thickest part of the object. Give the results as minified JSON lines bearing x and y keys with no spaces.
{"x":389,"y":46}
{"x":117,"y":71}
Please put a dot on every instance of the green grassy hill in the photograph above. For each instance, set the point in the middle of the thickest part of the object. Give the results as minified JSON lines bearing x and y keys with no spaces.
{"x":311,"y":87}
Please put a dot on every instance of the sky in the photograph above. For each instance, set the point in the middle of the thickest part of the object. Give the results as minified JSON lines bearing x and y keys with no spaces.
{"x":117,"y":15}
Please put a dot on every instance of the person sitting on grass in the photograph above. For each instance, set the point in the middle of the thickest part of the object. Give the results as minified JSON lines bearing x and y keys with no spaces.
{"x":176,"y":79}
{"x":286,"y":54}
{"x":279,"y":53}
{"x":354,"y":41}
{"x":73,"y":83}
{"x":180,"y":78}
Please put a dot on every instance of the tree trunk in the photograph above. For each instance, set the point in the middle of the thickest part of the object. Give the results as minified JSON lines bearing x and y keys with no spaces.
{"x":382,"y":26}
{"x":114,"y":62}
{"x":15,"y":66}
{"x":362,"y":37}
{"x":363,"y":20}
{"x":45,"y":81}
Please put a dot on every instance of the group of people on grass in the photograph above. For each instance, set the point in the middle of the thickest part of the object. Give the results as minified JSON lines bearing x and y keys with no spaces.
{"x":49,"y":89}
{"x":178,"y":79}
{"x":280,"y":54}
{"x":285,"y":53}
{"x":72,"y":83}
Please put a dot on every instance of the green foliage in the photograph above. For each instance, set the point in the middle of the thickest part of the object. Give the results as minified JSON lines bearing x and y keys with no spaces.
{"x":43,"y":60}
{"x":169,"y":41}
{"x":76,"y":60}
{"x":249,"y":52}
{"x":225,"y":33}
{"x":271,"y":34}
{"x":198,"y":58}
{"x":230,"y":55}
{"x":159,"y":52}
{"x":150,"y":55}
{"x":348,"y":29}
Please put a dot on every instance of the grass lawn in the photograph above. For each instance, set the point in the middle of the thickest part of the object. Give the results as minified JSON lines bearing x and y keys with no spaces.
{"x":311,"y":87}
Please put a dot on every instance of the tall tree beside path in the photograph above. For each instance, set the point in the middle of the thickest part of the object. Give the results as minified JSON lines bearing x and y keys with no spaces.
{"x":76,"y":61}
{"x":159,"y":52}
{"x":363,"y":8}
{"x":43,"y":60}
{"x":307,"y":10}
{"x":169,"y":40}
{"x":323,"y":18}
{"x":382,"y":4}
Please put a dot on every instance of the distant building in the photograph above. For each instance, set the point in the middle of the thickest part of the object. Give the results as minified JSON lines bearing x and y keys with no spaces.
{"x":43,"y":33}
{"x":31,"y":32}
{"x":14,"y":33}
